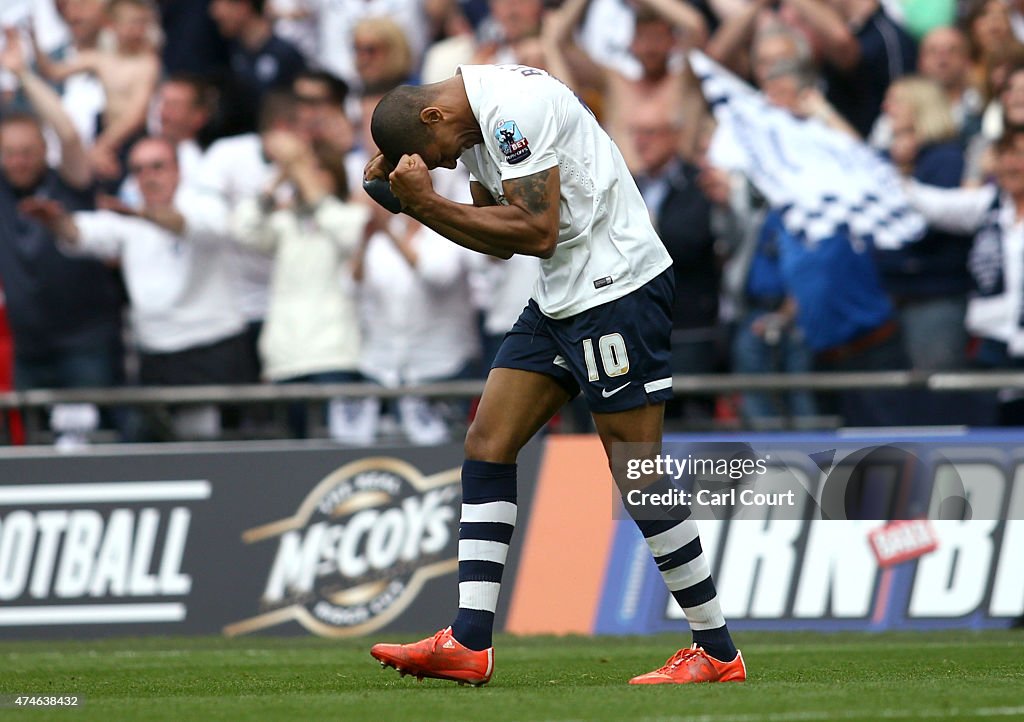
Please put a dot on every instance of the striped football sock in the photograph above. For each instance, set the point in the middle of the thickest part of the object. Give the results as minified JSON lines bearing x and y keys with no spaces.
{"x":675,"y":545}
{"x":488,"y":519}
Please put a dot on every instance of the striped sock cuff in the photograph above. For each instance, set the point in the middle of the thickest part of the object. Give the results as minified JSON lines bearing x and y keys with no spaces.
{"x":705,"y":616}
{"x":479,"y":595}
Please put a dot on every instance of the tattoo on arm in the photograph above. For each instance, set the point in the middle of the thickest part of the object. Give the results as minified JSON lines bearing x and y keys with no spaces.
{"x":531,"y":192}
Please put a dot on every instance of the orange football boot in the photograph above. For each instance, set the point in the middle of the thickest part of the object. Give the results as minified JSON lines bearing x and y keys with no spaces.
{"x":439,"y":657}
{"x":695,"y":665}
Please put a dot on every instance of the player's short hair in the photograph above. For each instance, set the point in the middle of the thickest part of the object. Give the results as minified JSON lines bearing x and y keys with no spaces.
{"x":396,"y":126}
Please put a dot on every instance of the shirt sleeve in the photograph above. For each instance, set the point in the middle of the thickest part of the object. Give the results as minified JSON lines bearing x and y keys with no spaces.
{"x":956,"y":210}
{"x":101,"y":234}
{"x":524,"y":136}
{"x":251,"y":227}
{"x":206,"y":216}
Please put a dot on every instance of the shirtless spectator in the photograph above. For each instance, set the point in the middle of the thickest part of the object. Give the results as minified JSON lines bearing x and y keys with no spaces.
{"x":661,"y":27}
{"x":129,"y":76}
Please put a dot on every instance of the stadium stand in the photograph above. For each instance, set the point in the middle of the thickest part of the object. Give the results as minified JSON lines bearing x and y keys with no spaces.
{"x":844,"y":63}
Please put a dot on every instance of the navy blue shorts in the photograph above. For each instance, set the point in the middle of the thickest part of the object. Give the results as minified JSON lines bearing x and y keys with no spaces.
{"x":618,"y":353}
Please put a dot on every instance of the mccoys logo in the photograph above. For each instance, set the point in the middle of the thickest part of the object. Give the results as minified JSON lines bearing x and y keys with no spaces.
{"x":359,"y":548}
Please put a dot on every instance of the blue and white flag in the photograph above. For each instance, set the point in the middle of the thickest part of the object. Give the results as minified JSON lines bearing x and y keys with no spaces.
{"x":823,"y":179}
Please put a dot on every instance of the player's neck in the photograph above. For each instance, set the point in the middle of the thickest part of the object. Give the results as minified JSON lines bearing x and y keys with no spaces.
{"x":457,"y":103}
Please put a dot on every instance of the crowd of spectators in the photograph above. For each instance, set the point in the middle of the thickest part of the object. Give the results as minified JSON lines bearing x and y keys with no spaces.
{"x":180,"y":198}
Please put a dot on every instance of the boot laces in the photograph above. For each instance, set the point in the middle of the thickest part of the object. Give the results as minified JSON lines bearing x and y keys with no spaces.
{"x":438,"y":636}
{"x":681,"y":657}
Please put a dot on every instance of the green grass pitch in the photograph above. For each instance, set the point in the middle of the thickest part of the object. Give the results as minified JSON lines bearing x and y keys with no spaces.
{"x":794,"y":676}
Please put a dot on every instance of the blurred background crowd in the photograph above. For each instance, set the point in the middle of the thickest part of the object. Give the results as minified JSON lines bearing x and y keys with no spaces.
{"x":180,"y":197}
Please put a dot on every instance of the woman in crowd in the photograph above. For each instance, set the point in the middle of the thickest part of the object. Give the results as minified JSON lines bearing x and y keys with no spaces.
{"x":928,"y":280}
{"x":311,"y":333}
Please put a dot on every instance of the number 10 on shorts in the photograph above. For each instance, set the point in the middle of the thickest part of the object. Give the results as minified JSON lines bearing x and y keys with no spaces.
{"x":613,"y":356}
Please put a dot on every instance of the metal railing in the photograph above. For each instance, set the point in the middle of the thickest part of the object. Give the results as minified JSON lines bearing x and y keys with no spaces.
{"x":34,"y":402}
{"x":682,"y":386}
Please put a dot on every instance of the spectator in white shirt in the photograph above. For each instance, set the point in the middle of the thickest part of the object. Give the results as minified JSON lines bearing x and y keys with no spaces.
{"x":178,"y":274}
{"x":311,"y":334}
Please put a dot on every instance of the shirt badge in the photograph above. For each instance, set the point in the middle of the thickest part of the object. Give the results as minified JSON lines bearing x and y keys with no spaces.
{"x":511,"y":142}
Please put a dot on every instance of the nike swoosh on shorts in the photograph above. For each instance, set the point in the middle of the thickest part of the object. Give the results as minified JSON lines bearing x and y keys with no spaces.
{"x":608,"y":394}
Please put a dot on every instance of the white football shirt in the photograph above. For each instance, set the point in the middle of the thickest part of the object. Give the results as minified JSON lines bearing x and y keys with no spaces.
{"x":607,"y":246}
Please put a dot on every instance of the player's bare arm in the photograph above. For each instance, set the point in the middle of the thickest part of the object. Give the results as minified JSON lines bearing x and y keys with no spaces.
{"x":528,"y":225}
